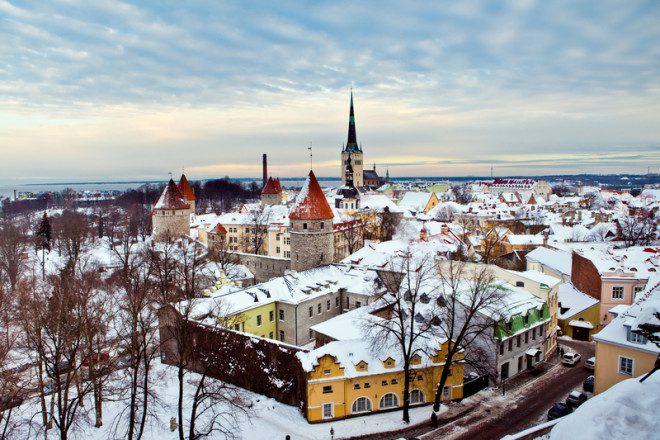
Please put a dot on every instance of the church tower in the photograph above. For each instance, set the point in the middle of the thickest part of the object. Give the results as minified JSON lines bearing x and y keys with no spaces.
{"x":312,"y":239}
{"x":348,"y":196}
{"x":353,"y":150}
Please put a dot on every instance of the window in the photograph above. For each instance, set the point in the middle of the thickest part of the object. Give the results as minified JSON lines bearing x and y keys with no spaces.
{"x":337,"y":302}
{"x":504,"y":371}
{"x":638,"y":289}
{"x":617,"y":292}
{"x":419,"y":378}
{"x":258,"y":320}
{"x":326,"y":372}
{"x":416,"y":396}
{"x":237,"y":327}
{"x":389,"y":400}
{"x":501,"y":348}
{"x":533,"y":333}
{"x":384,"y":383}
{"x":394,"y":381}
{"x":348,"y":303}
{"x":277,"y":250}
{"x":327,"y":305}
{"x":520,"y":363}
{"x":311,"y":334}
{"x":358,"y":304}
{"x":367,"y":385}
{"x":356,"y":386}
{"x":626,"y":366}
{"x":446,"y":393}
{"x":526,"y":337}
{"x":322,"y":225}
{"x":271,"y":316}
{"x":518,"y":341}
{"x":327,"y":410}
{"x":510,"y":344}
{"x":637,"y":338}
{"x":327,"y":389}
{"x":270,"y":335}
{"x":319,"y":308}
{"x":287,"y":254}
{"x":281,"y":315}
{"x":304,"y":225}
{"x":311,"y":311}
{"x":282,"y":335}
{"x":362,"y":404}
{"x":520,"y":284}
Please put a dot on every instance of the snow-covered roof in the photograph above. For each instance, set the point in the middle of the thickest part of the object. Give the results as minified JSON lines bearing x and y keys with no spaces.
{"x":311,"y":203}
{"x":415,"y":200}
{"x":555,"y":259}
{"x":642,"y":311}
{"x":524,"y":239}
{"x":629,"y":409}
{"x":574,"y":300}
{"x":378,"y":203}
{"x":639,"y":261}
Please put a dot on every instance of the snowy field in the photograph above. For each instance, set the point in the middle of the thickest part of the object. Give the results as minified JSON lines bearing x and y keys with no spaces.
{"x":267,"y":419}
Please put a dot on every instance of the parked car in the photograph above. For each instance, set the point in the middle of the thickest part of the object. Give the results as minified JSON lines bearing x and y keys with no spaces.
{"x":588,"y":384}
{"x":570,"y":358}
{"x":559,"y":410}
{"x":576,"y":398}
{"x":590,"y":364}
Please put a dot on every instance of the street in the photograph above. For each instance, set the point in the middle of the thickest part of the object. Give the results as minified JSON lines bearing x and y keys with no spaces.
{"x":523,"y":410}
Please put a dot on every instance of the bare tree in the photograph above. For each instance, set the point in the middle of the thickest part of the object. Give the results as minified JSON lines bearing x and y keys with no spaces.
{"x":352,"y":234}
{"x":389,"y":222}
{"x":637,"y":231}
{"x":73,"y":232}
{"x":10,"y":389}
{"x":13,"y":253}
{"x":491,"y":242}
{"x":408,"y":324}
{"x":137,"y":334}
{"x":255,"y":238}
{"x":462,"y":193}
{"x":467,"y":290}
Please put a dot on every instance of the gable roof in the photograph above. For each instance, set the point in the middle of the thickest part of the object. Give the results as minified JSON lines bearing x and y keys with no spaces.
{"x":171,"y":198}
{"x":311,"y":203}
{"x":186,"y":189}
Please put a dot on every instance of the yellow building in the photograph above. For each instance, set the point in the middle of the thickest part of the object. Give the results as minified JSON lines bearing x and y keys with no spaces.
{"x":622,"y":353}
{"x":345,"y":379}
{"x":243,"y":312}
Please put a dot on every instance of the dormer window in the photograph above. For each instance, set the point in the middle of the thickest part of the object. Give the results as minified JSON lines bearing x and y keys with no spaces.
{"x":635,"y":337}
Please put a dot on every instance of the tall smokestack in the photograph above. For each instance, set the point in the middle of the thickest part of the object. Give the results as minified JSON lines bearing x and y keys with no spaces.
{"x":265,"y":167}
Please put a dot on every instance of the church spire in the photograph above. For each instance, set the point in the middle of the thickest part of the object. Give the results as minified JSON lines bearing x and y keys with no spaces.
{"x":351,"y":143}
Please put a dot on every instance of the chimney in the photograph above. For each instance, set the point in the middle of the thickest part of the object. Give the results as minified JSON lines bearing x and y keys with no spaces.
{"x":265,"y":169}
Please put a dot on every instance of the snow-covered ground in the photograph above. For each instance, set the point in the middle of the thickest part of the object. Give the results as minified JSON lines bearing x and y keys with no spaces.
{"x":267,"y":419}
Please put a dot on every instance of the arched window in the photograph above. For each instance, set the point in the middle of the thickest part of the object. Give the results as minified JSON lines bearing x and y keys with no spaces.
{"x":362,"y":404}
{"x":389,"y":400}
{"x":416,"y":396}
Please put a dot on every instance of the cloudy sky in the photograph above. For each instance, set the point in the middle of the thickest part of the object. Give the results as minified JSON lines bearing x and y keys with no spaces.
{"x":106,"y":90}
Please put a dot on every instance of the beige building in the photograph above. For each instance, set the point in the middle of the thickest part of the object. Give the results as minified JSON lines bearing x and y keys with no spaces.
{"x":621,"y":352}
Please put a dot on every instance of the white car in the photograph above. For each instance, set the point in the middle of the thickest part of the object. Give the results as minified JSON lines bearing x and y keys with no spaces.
{"x":590,"y":364}
{"x":570,"y":358}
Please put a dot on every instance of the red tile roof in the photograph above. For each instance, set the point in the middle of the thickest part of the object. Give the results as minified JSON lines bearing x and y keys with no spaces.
{"x":171,"y":198}
{"x":186,"y":189}
{"x":273,"y":186}
{"x":311,"y":203}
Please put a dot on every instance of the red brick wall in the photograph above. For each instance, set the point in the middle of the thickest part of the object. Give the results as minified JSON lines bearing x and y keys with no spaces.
{"x":585,"y":276}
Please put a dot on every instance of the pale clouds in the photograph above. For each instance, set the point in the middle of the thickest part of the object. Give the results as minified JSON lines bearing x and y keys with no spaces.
{"x":108,"y":90}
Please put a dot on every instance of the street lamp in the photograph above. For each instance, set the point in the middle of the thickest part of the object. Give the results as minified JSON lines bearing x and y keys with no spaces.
{"x":332,"y":433}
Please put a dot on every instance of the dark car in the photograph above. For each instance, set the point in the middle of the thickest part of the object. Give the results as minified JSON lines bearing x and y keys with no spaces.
{"x":576,"y":398}
{"x":559,"y":410}
{"x":588,"y":384}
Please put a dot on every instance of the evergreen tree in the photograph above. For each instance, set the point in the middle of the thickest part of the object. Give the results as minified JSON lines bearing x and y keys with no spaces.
{"x":44,"y":233}
{"x":43,"y":237}
{"x":101,"y":226}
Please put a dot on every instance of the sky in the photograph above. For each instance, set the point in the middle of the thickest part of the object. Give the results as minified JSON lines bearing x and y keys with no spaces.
{"x":109,"y":90}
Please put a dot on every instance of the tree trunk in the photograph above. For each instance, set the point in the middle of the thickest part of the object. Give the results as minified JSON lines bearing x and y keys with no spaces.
{"x":406,"y":394}
{"x":180,"y":403}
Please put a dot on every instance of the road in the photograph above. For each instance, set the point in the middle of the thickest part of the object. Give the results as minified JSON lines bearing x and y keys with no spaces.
{"x":532,"y":409}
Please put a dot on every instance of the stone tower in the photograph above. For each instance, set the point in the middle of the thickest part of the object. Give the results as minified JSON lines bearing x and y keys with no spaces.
{"x":272,"y":194}
{"x":353,"y":150}
{"x":171,"y":214}
{"x":312,"y":239}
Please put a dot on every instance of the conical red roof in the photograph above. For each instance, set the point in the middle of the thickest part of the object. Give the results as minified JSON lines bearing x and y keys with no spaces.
{"x":273,"y":186}
{"x":171,"y":198}
{"x":186,"y":189}
{"x":311,"y":203}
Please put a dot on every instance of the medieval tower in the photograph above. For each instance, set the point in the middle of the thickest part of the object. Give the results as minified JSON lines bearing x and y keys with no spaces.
{"x":353,"y":150}
{"x":171,"y":214}
{"x":312,"y":239}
